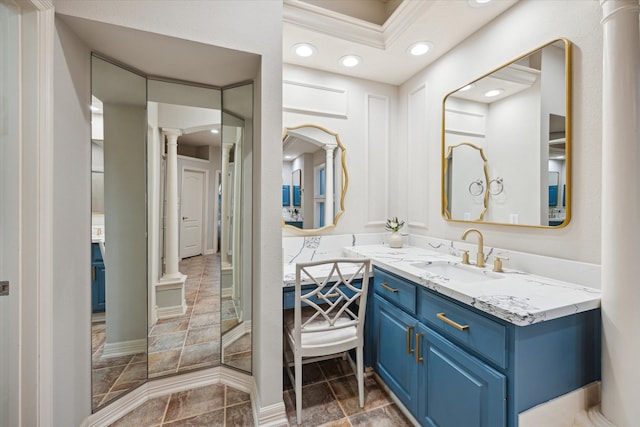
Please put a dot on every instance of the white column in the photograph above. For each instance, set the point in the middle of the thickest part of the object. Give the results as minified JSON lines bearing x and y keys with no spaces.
{"x":328,"y":189}
{"x":224,"y":207}
{"x":170,"y":298}
{"x":172,"y":256}
{"x":620,"y":215}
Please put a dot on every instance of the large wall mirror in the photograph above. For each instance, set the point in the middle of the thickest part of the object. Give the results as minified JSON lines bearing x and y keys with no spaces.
{"x":517,"y":120}
{"x":164,"y":150}
{"x":314,"y":178}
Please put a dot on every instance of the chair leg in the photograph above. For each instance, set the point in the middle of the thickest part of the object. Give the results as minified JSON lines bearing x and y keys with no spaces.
{"x":360,"y":367}
{"x":298,"y":385}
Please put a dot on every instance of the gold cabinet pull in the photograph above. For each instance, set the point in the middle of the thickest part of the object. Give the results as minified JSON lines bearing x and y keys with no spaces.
{"x":333,"y":295}
{"x":445,"y":319}
{"x":418,"y":357}
{"x":389,"y":288}
{"x":93,"y":273}
{"x":409,"y":330}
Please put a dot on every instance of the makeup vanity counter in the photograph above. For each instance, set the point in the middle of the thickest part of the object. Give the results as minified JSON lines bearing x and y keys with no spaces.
{"x":519,"y":298}
{"x":475,"y":354}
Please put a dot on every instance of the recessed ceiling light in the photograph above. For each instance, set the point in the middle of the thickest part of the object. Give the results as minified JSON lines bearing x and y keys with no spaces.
{"x":350,"y":60}
{"x":467,"y":87}
{"x":479,"y":3}
{"x":304,"y":49}
{"x":493,"y":92}
{"x":214,"y":130}
{"x":419,"y":48}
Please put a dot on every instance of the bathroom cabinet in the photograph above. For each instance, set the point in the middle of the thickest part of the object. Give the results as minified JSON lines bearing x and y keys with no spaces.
{"x":97,"y":280}
{"x":453,"y":365}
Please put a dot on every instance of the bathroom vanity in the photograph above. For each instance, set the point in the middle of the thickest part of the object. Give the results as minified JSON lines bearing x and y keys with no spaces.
{"x":464,"y":346}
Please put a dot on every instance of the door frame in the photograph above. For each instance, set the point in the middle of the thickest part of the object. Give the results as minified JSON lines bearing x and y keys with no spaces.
{"x":205,"y":206}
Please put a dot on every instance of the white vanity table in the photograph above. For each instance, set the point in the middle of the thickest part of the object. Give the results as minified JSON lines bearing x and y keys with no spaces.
{"x":473,"y":352}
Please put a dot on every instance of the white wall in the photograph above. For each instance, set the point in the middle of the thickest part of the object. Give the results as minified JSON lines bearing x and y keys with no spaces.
{"x":235,"y":28}
{"x":363,"y":113}
{"x":534,"y":23}
{"x":72,"y":227}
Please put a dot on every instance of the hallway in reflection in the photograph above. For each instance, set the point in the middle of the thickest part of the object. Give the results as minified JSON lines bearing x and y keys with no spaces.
{"x":192,"y":341}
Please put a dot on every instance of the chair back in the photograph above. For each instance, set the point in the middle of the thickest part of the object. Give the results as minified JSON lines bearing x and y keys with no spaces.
{"x":335,"y":300}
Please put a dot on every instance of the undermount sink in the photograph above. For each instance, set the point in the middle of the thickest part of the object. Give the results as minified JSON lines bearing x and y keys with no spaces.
{"x":456,"y":272}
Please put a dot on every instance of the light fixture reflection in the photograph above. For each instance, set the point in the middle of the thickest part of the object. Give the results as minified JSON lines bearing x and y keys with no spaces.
{"x":493,"y":93}
{"x":214,"y":131}
{"x":467,"y":87}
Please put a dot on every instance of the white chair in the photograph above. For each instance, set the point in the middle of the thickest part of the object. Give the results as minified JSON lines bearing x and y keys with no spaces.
{"x":328,"y":317}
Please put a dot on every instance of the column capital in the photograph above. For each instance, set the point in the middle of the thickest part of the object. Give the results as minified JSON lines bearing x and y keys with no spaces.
{"x":171,"y":132}
{"x":610,"y":8}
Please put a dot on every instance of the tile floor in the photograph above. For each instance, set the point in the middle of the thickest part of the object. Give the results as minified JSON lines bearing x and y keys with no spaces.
{"x":208,"y":406}
{"x":191,"y":341}
{"x":330,"y":399}
{"x":175,"y":345}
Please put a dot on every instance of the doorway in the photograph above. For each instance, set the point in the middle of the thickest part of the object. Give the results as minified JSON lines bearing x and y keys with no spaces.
{"x":192,"y":215}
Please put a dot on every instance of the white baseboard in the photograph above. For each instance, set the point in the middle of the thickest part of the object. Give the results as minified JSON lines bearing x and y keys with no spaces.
{"x":230,"y":336}
{"x":124,"y":348}
{"x":173,"y":384}
{"x":163,"y":313}
{"x":268,"y":416}
{"x":226,"y":293}
{"x":561,"y":411}
{"x":209,"y":252}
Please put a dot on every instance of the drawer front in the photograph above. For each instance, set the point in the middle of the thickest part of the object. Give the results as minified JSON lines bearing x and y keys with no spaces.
{"x":478,"y":333}
{"x":395,"y":289}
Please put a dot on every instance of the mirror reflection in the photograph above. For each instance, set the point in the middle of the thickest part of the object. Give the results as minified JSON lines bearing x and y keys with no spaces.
{"x":171,"y":248}
{"x":185,"y":134}
{"x":118,"y":231}
{"x":466,"y":172}
{"x":236,"y":227}
{"x":314,"y":178}
{"x":519,"y":116}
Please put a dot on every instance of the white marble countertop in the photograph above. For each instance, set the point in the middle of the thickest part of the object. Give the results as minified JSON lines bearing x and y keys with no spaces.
{"x":519,"y":298}
{"x":320,"y":272}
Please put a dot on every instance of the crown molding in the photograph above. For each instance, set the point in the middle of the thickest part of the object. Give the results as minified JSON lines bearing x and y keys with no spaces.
{"x":311,"y":17}
{"x":298,"y":13}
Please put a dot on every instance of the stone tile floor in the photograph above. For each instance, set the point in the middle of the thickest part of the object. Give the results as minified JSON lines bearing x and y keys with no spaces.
{"x":330,"y":399}
{"x":212,"y":405}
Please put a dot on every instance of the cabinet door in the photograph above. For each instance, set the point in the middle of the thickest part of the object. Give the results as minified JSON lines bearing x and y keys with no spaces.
{"x":97,"y":289}
{"x":394,"y":335}
{"x":457,"y":389}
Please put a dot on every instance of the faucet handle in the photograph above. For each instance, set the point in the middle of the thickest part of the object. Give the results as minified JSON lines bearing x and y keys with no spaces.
{"x":465,"y":256}
{"x":497,"y":263}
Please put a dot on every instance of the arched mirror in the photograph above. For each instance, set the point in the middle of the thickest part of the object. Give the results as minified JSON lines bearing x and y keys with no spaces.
{"x":465,"y":192}
{"x":520,"y":116}
{"x":314,"y":178}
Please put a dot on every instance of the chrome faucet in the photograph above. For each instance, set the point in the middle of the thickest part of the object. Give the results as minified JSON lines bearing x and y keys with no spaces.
{"x":480,"y":257}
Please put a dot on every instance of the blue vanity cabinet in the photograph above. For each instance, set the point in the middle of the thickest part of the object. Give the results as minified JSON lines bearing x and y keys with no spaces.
{"x":394,"y":341}
{"x":97,"y":280}
{"x":456,"y":389}
{"x":453,"y":365}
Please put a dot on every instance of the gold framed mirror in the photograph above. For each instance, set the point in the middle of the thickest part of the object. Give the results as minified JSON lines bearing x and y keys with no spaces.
{"x":314,"y":178}
{"x":519,"y":116}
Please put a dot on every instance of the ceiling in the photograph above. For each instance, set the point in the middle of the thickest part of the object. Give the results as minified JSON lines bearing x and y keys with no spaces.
{"x":338,"y":28}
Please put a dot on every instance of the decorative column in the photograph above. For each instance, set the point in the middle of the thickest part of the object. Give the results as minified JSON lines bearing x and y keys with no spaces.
{"x":224,"y":206}
{"x":620,"y":215}
{"x":328,"y":189}
{"x":170,"y":289}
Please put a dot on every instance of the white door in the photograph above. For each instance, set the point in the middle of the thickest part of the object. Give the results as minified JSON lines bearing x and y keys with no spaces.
{"x":9,"y":214}
{"x":191,"y":203}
